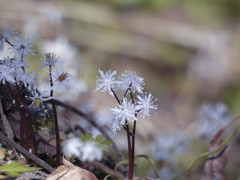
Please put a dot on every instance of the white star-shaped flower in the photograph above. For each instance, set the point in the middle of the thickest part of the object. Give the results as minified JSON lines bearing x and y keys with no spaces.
{"x":125,"y":112}
{"x":107,"y":82}
{"x":61,"y":80}
{"x":6,"y":74}
{"x":22,"y":46}
{"x":51,"y":59}
{"x":38,"y":98}
{"x":7,"y":33}
{"x":130,"y":78}
{"x":145,"y":104}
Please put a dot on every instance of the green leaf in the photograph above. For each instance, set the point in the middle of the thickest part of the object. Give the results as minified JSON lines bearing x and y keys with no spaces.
{"x":99,"y":138}
{"x":102,"y":142}
{"x":13,"y":169}
{"x":86,"y":137}
{"x":104,"y":148}
{"x":107,"y":142}
{"x":46,"y":123}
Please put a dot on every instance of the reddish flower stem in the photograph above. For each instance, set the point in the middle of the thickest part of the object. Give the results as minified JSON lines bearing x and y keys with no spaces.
{"x":22,"y":124}
{"x":58,"y":145}
{"x":133,"y":143}
{"x":130,"y":158}
{"x":130,"y":135}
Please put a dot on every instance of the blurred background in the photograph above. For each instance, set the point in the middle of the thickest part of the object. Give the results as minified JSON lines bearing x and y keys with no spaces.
{"x":186,"y":51}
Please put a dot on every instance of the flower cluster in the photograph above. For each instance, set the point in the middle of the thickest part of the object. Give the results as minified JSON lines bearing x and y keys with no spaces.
{"x":87,"y":151}
{"x":127,"y":110}
{"x":86,"y":148}
{"x":15,"y":70}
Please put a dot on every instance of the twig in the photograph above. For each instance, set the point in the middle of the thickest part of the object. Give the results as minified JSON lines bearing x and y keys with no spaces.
{"x":108,"y":170}
{"x":24,"y":151}
{"x":7,"y":126}
{"x":5,"y":121}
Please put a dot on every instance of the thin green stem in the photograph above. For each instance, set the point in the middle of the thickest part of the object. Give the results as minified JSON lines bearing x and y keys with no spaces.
{"x":209,"y":153}
{"x":152,"y":164}
{"x":120,"y":163}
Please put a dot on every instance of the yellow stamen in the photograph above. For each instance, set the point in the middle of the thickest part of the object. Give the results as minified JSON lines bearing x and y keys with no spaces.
{"x":62,"y":77}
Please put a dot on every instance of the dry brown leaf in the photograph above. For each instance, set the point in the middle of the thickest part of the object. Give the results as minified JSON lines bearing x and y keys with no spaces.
{"x":2,"y":153}
{"x":70,"y":171}
{"x":2,"y":176}
{"x":32,"y":175}
{"x":216,"y":162}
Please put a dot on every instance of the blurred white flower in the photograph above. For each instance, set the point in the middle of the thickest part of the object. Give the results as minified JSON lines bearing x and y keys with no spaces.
{"x":28,"y":80}
{"x":115,"y":125}
{"x":131,"y":78}
{"x":72,"y":147}
{"x":103,"y":117}
{"x":7,"y":33}
{"x":168,"y":147}
{"x":107,"y":82}
{"x":145,"y":104}
{"x":68,"y":51}
{"x":7,"y":61}
{"x":90,"y":152}
{"x":51,"y":59}
{"x":85,"y":151}
{"x":61,"y":79}
{"x":211,"y":118}
{"x":6,"y":74}
{"x":18,"y":63}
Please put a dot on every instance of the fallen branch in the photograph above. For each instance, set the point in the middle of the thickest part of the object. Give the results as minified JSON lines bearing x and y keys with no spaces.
{"x":7,"y":126}
{"x":108,"y":170}
{"x":28,"y":154}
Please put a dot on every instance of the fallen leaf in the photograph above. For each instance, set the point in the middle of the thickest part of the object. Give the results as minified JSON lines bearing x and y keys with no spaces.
{"x":216,"y":162}
{"x":2,"y":153}
{"x":32,"y":175}
{"x":2,"y":176}
{"x":69,"y":171}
